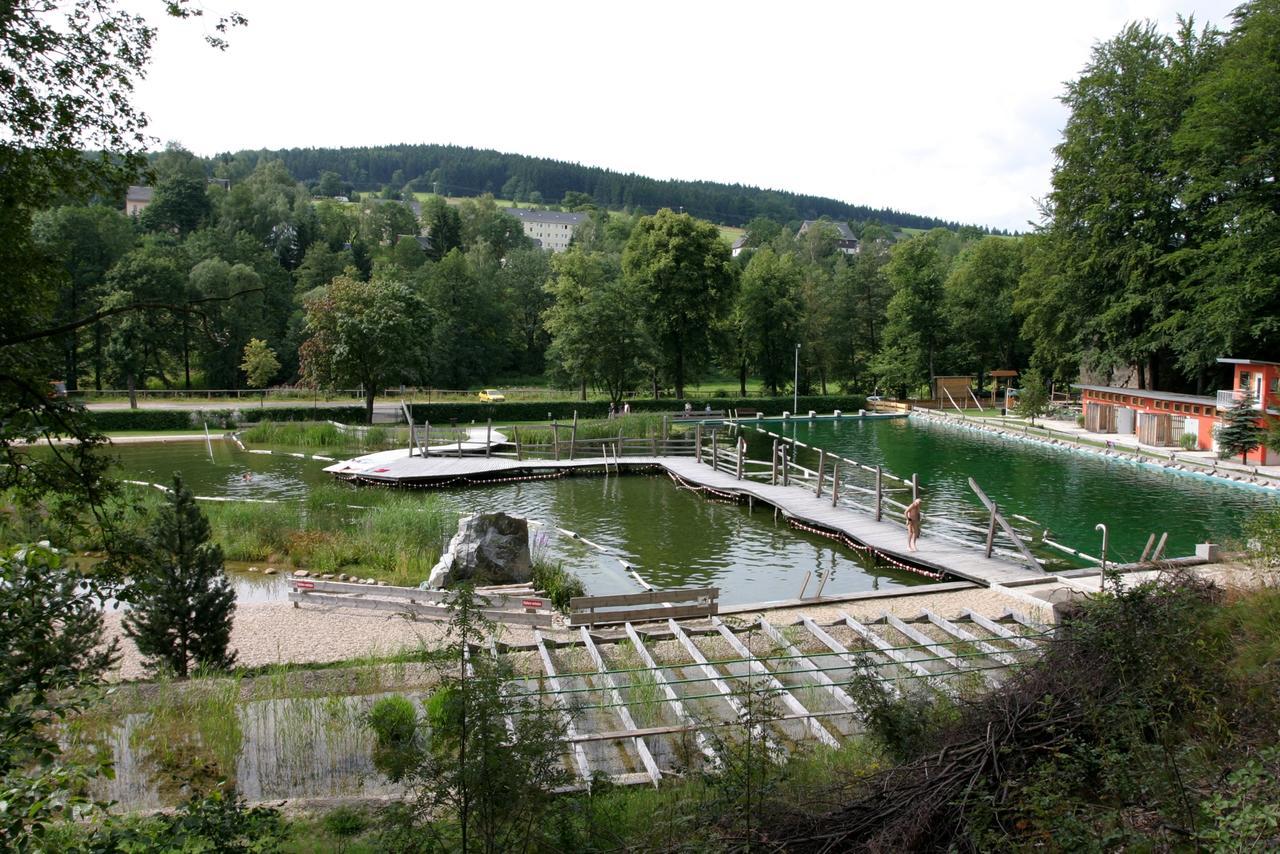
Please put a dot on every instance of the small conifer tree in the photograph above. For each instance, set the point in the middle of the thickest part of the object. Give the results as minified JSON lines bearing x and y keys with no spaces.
{"x":182,"y":602}
{"x":1240,"y":432}
{"x":1033,"y":397}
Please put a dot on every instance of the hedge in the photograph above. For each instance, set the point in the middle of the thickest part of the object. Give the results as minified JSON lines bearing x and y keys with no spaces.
{"x":563,"y":409}
{"x":185,"y":419}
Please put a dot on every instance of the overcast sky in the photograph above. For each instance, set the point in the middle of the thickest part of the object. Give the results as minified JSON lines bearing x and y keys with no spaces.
{"x":940,"y":108}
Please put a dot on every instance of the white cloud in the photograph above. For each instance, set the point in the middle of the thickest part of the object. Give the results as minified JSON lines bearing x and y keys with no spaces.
{"x":936,"y":108}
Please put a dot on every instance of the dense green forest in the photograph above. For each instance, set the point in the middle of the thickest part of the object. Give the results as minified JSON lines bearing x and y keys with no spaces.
{"x":452,"y":170}
{"x":1156,"y":256}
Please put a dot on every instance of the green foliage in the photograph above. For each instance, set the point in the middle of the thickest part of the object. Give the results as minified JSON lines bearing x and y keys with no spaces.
{"x":183,"y":604}
{"x":556,"y":583}
{"x":394,"y":720}
{"x":1244,"y":815}
{"x":260,"y":363}
{"x":1240,"y":432}
{"x":220,"y":822}
{"x":1033,"y":397}
{"x":768,"y":314}
{"x":1187,"y":441}
{"x":344,"y":824}
{"x":516,"y":410}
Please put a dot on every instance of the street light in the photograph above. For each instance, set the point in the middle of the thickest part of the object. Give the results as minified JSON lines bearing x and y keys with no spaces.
{"x":795,"y":384}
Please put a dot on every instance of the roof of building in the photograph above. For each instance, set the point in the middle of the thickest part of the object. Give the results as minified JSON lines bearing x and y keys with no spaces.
{"x":1246,"y":362}
{"x":846,"y":233}
{"x":139,"y":194}
{"x":1002,"y":373}
{"x":559,"y":217}
{"x":740,"y":242}
{"x":1154,"y":395}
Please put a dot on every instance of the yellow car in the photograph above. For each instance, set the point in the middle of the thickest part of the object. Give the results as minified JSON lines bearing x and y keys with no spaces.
{"x":492,"y":395}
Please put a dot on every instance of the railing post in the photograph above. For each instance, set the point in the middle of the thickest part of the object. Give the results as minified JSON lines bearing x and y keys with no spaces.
{"x":573,"y":434}
{"x":555,"y":439}
{"x":697,"y":443}
{"x":459,"y":449}
{"x":773,"y":464}
{"x":822,"y":464}
{"x":518,"y":456}
{"x":742,"y":447}
{"x":426,"y":438}
{"x":835,"y":482}
{"x":991,"y":533}
{"x":786,"y":467}
{"x":715,"y":450}
{"x":915,"y":486}
{"x":488,"y":437}
{"x":879,"y":492}
{"x":665,"y":429}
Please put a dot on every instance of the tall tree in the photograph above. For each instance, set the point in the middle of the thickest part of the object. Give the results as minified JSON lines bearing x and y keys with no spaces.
{"x":680,"y":268}
{"x":915,"y":327}
{"x":182,"y":603}
{"x":978,"y":303}
{"x":1240,"y":432}
{"x":443,"y":225}
{"x":363,"y":333}
{"x":768,"y":305}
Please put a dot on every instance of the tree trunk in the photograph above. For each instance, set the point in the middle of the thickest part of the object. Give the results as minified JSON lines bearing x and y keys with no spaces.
{"x":742,"y":379}
{"x":186,"y":351}
{"x":97,"y":356}
{"x":655,"y":385}
{"x":368,"y":403}
{"x":582,"y":391}
{"x":1142,"y":376}
{"x":679,"y":372}
{"x":133,"y":392}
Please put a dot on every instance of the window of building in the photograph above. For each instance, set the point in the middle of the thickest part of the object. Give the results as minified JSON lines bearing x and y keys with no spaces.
{"x":1244,"y":379}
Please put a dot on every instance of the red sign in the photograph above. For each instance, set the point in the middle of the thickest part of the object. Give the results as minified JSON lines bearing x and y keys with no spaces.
{"x":531,"y":603}
{"x":304,"y":585}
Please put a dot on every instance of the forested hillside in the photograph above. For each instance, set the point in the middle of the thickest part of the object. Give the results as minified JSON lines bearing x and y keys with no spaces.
{"x":455,"y":171}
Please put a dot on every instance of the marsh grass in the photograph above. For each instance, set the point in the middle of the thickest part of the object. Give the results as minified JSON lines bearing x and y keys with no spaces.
{"x":642,"y":694}
{"x":640,"y":425}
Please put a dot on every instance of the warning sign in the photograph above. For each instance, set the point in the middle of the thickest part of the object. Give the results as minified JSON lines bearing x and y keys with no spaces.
{"x":531,"y":603}
{"x":304,"y":585}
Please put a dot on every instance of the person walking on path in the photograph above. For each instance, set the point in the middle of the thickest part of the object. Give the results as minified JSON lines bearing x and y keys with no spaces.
{"x":913,"y":524}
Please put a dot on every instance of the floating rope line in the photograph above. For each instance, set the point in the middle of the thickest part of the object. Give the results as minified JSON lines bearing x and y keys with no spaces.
{"x":849,"y":542}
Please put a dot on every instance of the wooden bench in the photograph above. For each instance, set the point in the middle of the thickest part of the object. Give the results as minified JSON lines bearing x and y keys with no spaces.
{"x":583,"y":609}
{"x":746,"y":413}
{"x":695,"y":414}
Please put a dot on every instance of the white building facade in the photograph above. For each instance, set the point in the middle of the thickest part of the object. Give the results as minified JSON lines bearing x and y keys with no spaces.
{"x":550,"y":229}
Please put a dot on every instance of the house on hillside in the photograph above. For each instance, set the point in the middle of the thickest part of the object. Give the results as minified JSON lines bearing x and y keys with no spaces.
{"x":845,"y":242}
{"x":136,"y":200}
{"x":550,"y":230}
{"x":1161,"y":418}
{"x":739,"y":245}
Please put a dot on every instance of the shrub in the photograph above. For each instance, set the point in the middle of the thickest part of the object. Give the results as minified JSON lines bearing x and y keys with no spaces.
{"x":394,"y":720}
{"x":1189,"y":441}
{"x":556,"y":583}
{"x":345,"y":823}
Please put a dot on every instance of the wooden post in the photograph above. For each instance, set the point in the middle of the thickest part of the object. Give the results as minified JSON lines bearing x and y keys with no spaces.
{"x":518,"y":456}
{"x":786,"y":467}
{"x":573,"y":434}
{"x":654,"y":445}
{"x":665,"y":429}
{"x":697,"y":444}
{"x":879,"y":492}
{"x":426,"y":439}
{"x":991,"y":533}
{"x":835,"y":482}
{"x":715,"y":450}
{"x":459,"y":449}
{"x":488,"y":436}
{"x":915,"y":486}
{"x":555,"y":438}
{"x":742,"y":448}
{"x":822,"y":464}
{"x":773,"y":464}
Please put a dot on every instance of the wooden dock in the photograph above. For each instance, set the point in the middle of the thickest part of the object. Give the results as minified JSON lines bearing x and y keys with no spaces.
{"x":690,"y":464}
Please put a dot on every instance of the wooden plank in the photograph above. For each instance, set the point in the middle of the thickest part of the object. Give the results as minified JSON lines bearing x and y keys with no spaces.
{"x":641,"y":615}
{"x":978,"y":643}
{"x":714,"y":675}
{"x":1000,"y":631}
{"x":426,"y":611}
{"x":841,"y":696}
{"x":788,"y":699}
{"x":1023,"y":619}
{"x":492,"y":646}
{"x":642,"y":749}
{"x":1017,"y":541}
{"x":885,"y":648}
{"x":677,"y":707}
{"x":549,"y":668}
{"x":939,"y":650}
{"x":680,"y":594}
{"x":499,"y":600}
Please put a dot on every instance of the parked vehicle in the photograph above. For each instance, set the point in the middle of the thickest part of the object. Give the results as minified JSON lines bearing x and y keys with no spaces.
{"x":492,"y":395}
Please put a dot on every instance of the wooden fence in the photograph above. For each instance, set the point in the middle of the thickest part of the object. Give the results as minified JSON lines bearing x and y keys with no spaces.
{"x":515,"y":607}
{"x":585,"y":610}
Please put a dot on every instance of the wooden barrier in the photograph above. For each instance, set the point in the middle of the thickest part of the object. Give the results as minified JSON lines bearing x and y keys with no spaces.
{"x":582,"y":609}
{"x":427,"y":604}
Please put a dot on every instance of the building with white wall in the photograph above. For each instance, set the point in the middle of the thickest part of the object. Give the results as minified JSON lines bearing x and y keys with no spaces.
{"x":550,"y":229}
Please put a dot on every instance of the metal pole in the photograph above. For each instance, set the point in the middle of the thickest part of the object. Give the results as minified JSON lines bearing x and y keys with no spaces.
{"x":773,"y":465}
{"x":835,"y":482}
{"x":822,"y":464}
{"x":1103,"y":528}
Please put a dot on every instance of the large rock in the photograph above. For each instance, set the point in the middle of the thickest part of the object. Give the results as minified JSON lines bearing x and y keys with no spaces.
{"x":489,"y":548}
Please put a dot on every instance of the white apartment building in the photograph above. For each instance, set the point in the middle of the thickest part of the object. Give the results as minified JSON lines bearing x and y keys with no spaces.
{"x":549,"y":229}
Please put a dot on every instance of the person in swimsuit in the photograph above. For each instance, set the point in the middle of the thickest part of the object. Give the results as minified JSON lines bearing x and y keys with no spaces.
{"x":913,"y":524}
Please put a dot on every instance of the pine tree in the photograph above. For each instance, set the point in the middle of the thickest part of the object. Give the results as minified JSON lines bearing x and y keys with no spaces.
{"x":1240,"y":432}
{"x":182,"y":604}
{"x":1033,"y":397}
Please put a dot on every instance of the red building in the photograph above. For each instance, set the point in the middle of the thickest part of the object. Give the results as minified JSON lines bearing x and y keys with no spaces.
{"x":1161,"y":418}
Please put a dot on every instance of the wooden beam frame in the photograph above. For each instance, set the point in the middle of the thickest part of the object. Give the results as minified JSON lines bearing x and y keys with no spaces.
{"x":613,"y":692}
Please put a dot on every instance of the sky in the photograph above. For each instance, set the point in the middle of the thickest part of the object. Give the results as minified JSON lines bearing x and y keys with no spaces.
{"x":939,"y":108}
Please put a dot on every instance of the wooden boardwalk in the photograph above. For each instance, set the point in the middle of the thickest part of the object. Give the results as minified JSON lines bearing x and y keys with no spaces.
{"x":886,"y":538}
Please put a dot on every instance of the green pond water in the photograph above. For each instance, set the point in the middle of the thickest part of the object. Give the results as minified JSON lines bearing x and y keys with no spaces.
{"x":1065,"y":491}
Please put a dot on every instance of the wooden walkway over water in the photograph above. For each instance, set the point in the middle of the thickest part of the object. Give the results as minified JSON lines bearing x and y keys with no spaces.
{"x":690,"y":463}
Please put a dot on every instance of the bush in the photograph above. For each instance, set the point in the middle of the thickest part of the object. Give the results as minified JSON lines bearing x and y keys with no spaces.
{"x":564,"y":409}
{"x":557,"y":584}
{"x":1188,"y":441}
{"x":394,"y":720}
{"x":145,"y":419}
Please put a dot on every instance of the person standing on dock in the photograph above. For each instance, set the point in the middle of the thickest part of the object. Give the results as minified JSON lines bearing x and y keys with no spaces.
{"x":913,"y":524}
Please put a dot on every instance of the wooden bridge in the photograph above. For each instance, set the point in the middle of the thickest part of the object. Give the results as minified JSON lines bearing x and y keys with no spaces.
{"x":840,"y":498}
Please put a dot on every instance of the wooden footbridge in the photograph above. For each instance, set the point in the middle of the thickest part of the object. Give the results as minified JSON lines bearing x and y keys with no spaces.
{"x":839,"y":498}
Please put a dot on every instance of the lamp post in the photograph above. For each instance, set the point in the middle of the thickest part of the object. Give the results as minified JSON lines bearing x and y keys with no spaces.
{"x":795,"y":384}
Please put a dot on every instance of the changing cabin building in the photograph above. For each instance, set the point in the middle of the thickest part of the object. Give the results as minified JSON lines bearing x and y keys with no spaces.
{"x":548,"y":229}
{"x":1161,"y":418}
